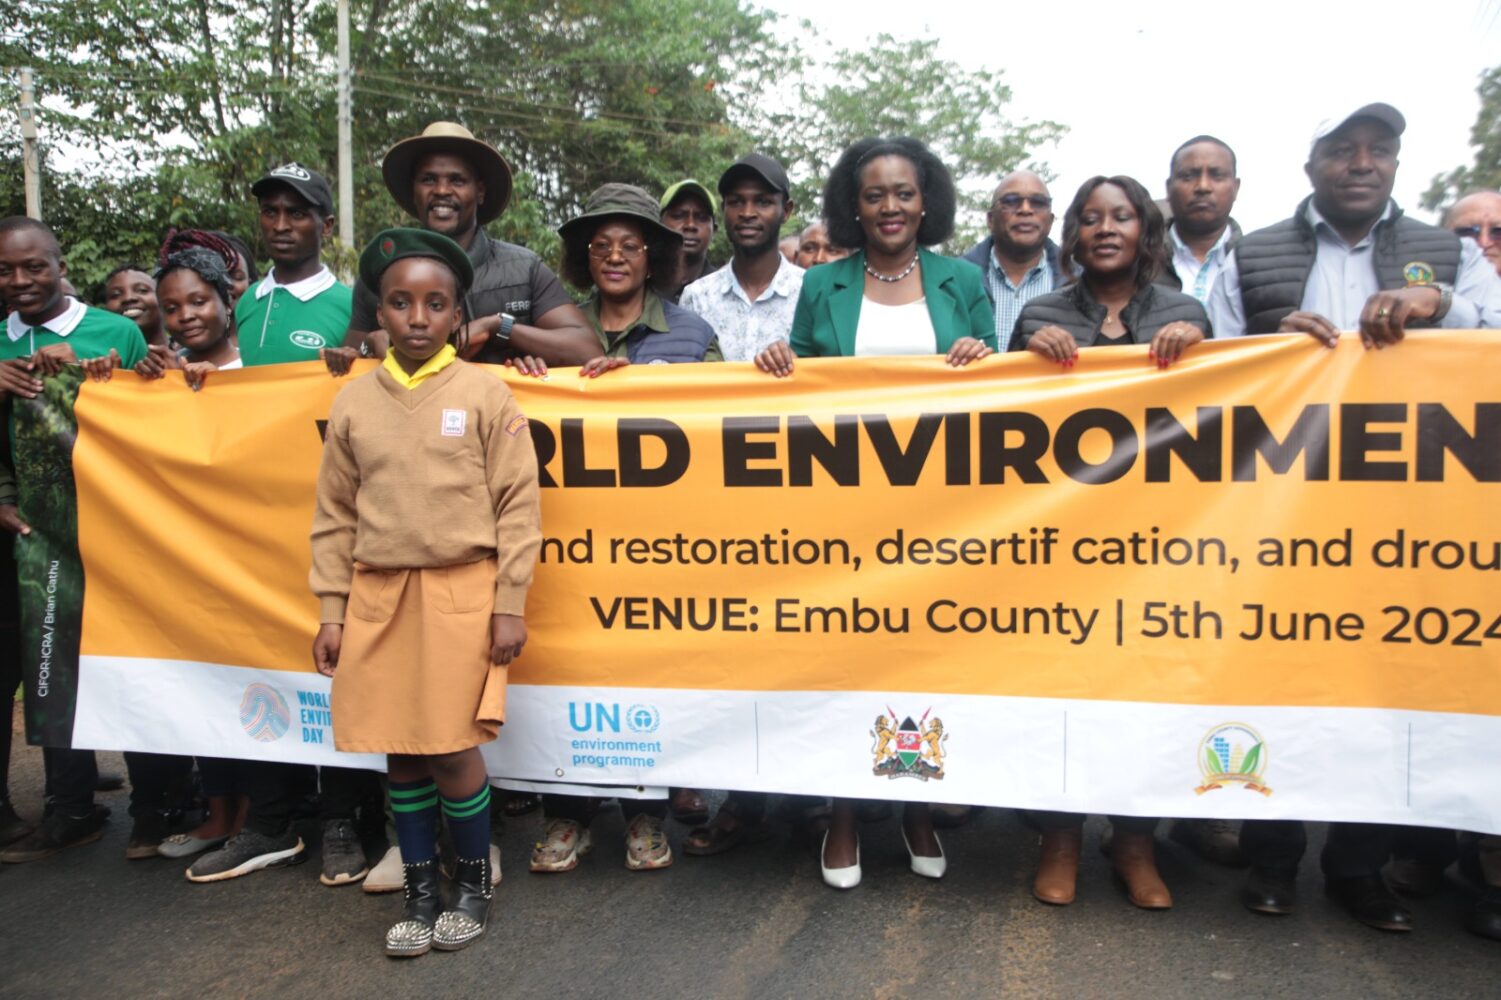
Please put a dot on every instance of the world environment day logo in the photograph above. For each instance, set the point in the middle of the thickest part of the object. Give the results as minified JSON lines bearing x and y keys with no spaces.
{"x":264,"y":713}
{"x":909,"y":749}
{"x":1233,"y":753}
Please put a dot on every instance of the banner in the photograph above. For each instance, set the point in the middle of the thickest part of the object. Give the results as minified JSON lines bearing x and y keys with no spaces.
{"x":1263,"y":583}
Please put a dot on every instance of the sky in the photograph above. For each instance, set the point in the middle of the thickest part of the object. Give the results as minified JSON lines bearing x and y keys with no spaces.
{"x":1133,"y":79}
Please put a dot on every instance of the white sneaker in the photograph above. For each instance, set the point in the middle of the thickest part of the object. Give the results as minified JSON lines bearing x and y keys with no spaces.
{"x":387,"y":876}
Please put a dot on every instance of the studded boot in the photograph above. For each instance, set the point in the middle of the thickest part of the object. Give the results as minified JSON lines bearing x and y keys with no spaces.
{"x":463,"y":922}
{"x":412,"y":935}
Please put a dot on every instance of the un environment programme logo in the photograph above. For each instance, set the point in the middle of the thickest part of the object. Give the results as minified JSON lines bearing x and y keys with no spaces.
{"x":264,"y":713}
{"x":909,"y":749}
{"x":643,"y":718}
{"x":1235,"y":753}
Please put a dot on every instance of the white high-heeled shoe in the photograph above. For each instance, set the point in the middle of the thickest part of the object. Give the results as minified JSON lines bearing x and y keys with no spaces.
{"x":840,"y":878}
{"x":925,"y":866}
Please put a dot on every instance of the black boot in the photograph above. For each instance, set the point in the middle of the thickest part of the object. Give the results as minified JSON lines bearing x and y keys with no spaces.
{"x":412,"y":935}
{"x":464,"y":921}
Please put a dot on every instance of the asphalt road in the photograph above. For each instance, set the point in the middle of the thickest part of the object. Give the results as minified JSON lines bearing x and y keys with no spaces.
{"x":756,"y":922}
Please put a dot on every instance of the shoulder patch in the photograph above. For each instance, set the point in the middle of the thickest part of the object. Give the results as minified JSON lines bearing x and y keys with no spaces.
{"x":516,"y":425}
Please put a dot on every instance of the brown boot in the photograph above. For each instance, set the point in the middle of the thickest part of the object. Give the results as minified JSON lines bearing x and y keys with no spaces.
{"x":1058,"y":867}
{"x":1136,"y":864}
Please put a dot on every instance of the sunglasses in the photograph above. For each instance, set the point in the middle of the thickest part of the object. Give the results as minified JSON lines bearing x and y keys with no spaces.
{"x":1011,"y":202}
{"x":1492,"y":232}
{"x":604,"y":251}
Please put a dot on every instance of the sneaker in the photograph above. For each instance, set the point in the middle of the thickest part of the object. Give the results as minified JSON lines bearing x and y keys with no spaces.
{"x":646,"y":845}
{"x":12,"y":826}
{"x":249,"y":852}
{"x":146,"y":835}
{"x":343,"y":857}
{"x":387,"y":876}
{"x":563,"y":842}
{"x":57,"y":833}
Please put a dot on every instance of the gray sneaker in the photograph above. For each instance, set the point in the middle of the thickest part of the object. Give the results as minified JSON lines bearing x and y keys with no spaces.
{"x":249,"y":852}
{"x":343,"y":857}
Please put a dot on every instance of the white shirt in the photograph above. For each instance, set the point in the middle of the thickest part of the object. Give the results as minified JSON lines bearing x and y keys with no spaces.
{"x":746,"y":328}
{"x":885,"y":330}
{"x":303,"y":290}
{"x":1344,"y":277}
{"x":1198,"y":278}
{"x":62,"y":324}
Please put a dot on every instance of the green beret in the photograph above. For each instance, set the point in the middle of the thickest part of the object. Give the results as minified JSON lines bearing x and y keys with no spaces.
{"x":391,"y":245}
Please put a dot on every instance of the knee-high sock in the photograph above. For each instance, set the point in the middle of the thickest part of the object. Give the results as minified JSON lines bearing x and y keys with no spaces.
{"x":469,"y":822}
{"x":414,"y":807}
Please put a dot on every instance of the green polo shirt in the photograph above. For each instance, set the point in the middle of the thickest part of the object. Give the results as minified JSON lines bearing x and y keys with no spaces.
{"x":90,"y":332}
{"x":282,"y":323}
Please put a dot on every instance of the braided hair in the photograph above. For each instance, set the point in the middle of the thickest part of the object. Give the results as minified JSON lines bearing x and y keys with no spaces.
{"x":207,"y":264}
{"x":183,"y":239}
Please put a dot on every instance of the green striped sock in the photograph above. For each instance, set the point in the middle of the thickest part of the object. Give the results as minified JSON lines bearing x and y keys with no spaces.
{"x":469,"y":822}
{"x":414,"y":809}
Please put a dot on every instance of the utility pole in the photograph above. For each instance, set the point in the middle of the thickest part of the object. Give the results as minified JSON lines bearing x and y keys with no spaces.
{"x":346,"y":133}
{"x":30,"y":159}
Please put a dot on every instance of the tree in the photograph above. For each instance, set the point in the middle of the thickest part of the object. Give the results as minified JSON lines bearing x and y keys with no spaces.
{"x":158,"y":115}
{"x":903,"y":87}
{"x":1485,"y":136}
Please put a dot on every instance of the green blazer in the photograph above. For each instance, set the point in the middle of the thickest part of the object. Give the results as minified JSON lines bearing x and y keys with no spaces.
{"x":828,"y":310}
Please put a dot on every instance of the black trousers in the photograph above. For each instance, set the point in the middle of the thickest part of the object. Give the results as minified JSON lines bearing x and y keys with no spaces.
{"x":273,"y":790}
{"x":10,"y":680}
{"x":344,"y":791}
{"x":158,"y":781}
{"x":1352,"y":850}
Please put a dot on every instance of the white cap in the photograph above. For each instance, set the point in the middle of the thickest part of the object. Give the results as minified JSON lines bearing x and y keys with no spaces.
{"x":1384,"y":113}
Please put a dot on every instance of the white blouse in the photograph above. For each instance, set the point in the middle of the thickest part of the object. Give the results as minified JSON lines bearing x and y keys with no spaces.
{"x":892,"y":330}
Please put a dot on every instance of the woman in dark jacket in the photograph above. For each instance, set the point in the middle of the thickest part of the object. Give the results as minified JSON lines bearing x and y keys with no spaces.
{"x":619,"y":249}
{"x":1114,"y":232}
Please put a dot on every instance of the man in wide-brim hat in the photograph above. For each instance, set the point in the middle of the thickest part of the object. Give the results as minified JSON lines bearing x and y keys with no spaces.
{"x":453,"y":183}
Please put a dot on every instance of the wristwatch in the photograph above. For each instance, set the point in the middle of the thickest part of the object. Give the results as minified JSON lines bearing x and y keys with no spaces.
{"x":506,"y":322}
{"x":1445,"y":300}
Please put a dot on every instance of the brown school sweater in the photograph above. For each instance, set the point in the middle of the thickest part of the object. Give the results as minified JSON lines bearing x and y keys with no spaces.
{"x":440,"y":475}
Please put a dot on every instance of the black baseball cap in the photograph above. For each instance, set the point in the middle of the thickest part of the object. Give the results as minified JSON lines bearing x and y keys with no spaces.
{"x":309,"y":184}
{"x":758,"y":165}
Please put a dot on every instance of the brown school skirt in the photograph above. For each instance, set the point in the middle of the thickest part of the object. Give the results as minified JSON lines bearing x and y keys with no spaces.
{"x":414,"y":673}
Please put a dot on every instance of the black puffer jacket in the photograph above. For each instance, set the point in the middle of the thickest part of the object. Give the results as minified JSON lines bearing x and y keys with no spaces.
{"x":1075,"y":310}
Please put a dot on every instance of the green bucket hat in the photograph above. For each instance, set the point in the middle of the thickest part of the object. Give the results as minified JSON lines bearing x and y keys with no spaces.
{"x":391,"y":245}
{"x":622,"y":201}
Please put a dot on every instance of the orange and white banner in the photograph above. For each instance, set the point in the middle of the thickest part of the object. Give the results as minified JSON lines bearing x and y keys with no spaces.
{"x":1265,"y":583}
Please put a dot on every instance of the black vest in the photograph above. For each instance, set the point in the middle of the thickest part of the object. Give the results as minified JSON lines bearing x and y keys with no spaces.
{"x":1275,"y":263}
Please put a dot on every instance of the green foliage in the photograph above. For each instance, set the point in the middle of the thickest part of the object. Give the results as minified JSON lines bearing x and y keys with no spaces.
{"x":1213,"y":760}
{"x":1485,"y":136}
{"x":162,"y":115}
{"x":902,"y":87}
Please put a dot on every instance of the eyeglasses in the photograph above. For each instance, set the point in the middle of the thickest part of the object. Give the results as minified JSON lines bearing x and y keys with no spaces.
{"x":1492,"y":232}
{"x":604,"y":251}
{"x":1011,"y":202}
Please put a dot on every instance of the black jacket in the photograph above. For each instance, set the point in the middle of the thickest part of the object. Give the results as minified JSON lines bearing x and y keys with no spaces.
{"x":1075,"y":310}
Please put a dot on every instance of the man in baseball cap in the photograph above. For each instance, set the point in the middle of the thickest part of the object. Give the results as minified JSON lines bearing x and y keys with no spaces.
{"x":1292,"y":277}
{"x":750,"y":303}
{"x":453,"y":183}
{"x":1348,"y":259}
{"x":689,"y":209}
{"x":299,"y":307}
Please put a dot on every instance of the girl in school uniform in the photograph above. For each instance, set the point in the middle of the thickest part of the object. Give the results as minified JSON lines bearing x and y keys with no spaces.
{"x":424,"y":540}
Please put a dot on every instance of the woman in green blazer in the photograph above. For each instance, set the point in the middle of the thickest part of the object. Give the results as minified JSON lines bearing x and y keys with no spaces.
{"x":887,"y":198}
